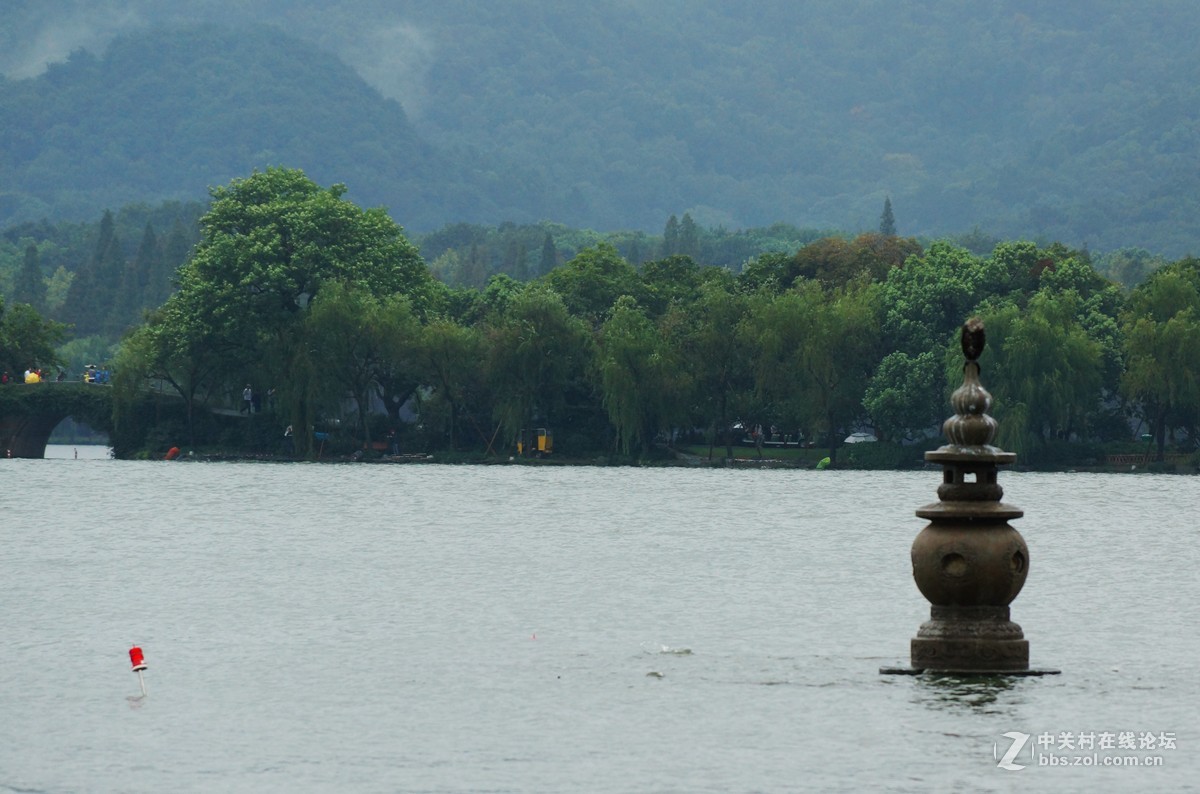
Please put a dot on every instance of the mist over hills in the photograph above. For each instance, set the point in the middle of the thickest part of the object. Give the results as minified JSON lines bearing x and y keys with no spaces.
{"x":1074,"y":121}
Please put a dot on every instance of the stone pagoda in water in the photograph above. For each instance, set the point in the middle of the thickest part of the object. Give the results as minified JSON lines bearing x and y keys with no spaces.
{"x":968,"y":561}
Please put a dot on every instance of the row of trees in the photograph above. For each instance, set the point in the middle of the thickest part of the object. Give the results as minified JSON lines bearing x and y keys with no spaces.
{"x":296,"y":289}
{"x":467,"y":255}
{"x":97,"y":279}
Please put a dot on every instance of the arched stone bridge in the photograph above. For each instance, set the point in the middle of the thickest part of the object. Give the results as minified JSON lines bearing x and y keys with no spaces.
{"x":30,"y":412}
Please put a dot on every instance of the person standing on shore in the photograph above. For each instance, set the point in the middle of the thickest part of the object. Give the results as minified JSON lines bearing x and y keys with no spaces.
{"x":247,"y":399}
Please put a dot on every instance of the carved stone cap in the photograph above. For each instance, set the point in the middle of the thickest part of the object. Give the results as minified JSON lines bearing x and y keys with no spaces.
{"x":982,"y":511}
{"x":971,"y":430}
{"x":950,"y":453}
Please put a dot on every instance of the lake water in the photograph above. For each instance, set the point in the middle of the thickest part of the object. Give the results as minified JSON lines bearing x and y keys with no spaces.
{"x":421,"y":628}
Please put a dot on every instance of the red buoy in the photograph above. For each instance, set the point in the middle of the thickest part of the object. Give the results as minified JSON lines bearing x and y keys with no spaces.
{"x":136,"y":659}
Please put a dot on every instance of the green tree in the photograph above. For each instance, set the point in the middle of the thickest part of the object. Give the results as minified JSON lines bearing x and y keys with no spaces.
{"x":676,"y":279}
{"x":1013,"y":268}
{"x":634,"y":256}
{"x":176,"y":250}
{"x":30,"y":285}
{"x":929,"y":298}
{"x":536,"y":352}
{"x":360,"y":344}
{"x":497,"y":295}
{"x":451,"y":361}
{"x":1129,"y":267}
{"x":671,"y":237}
{"x":774,"y":271}
{"x":593,"y":280}
{"x":475,"y":269}
{"x":639,"y":376}
{"x":704,"y":335}
{"x":905,"y":395}
{"x":182,"y":345}
{"x":549,"y":259}
{"x":134,"y":287}
{"x":815,"y":350}
{"x":56,"y":290}
{"x":270,"y":243}
{"x":1162,"y":350}
{"x":146,"y":262}
{"x":272,"y":240}
{"x":887,"y":221}
{"x":1042,"y":368}
{"x":689,"y":237}
{"x":514,"y":263}
{"x":27,"y":341}
{"x":89,"y":296}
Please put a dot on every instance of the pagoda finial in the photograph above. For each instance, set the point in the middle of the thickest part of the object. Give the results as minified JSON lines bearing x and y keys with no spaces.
{"x":971,"y":426}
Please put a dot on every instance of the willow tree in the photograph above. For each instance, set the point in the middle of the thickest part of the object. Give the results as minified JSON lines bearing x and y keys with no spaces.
{"x":450,"y":359}
{"x":639,"y":376}
{"x":704,"y":334}
{"x":1162,"y":350}
{"x":536,"y":352}
{"x":815,"y":350}
{"x":179,"y":345}
{"x":1044,"y":371}
{"x":359,"y":345}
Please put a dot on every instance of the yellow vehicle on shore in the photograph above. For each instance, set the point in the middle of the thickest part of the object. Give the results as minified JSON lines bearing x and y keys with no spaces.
{"x":539,"y":442}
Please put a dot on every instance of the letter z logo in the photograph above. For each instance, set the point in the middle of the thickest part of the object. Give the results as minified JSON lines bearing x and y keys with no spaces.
{"x":1018,"y":743}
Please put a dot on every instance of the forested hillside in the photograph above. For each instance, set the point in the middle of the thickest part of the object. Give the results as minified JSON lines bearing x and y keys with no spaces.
{"x":166,"y":114}
{"x":1073,"y":121}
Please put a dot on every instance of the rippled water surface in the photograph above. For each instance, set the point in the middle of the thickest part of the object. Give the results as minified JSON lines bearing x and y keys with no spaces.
{"x":545,"y":629}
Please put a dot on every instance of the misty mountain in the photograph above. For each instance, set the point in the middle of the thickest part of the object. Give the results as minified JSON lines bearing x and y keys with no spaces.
{"x":166,"y":114}
{"x":1075,"y":120}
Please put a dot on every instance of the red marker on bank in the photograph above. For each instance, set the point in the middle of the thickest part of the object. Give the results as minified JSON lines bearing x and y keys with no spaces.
{"x":138,"y":662}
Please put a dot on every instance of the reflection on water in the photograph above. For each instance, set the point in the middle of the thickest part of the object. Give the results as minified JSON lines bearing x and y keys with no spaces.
{"x":970,"y":693}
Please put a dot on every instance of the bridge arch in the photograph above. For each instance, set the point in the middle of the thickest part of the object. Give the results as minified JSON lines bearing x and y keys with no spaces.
{"x":30,"y":412}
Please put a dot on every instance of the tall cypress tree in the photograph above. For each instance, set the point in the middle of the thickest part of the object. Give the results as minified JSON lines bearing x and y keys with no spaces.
{"x":514,"y":261}
{"x":147,"y":260}
{"x":175,"y":251}
{"x":635,"y":253}
{"x":108,"y":230}
{"x":689,"y":237}
{"x":671,"y":237}
{"x":108,"y":275}
{"x":30,"y":285}
{"x":133,"y":287}
{"x":549,"y":256}
{"x":80,"y":306}
{"x":477,"y":268}
{"x":887,"y":221}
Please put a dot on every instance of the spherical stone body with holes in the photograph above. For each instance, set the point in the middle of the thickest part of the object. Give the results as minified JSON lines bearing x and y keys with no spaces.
{"x":965,"y":562}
